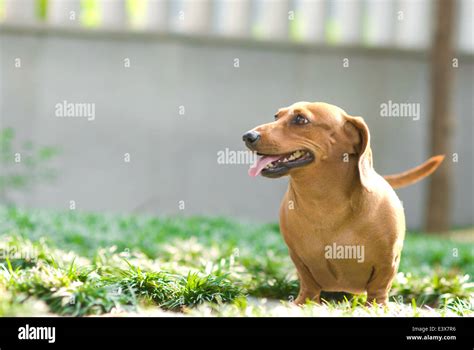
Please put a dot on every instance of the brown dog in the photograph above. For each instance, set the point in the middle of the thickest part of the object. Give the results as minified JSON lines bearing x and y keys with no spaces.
{"x":343,"y":223}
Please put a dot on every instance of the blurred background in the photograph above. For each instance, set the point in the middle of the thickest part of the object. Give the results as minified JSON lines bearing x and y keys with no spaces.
{"x":174,"y":84}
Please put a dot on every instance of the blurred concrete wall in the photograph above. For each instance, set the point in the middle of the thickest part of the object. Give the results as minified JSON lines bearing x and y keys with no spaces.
{"x":173,"y":156}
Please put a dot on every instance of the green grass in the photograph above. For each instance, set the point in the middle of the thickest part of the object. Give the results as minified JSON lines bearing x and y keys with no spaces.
{"x":71,"y":263}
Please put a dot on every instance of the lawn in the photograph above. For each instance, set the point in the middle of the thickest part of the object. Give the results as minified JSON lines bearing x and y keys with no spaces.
{"x":72,"y":263}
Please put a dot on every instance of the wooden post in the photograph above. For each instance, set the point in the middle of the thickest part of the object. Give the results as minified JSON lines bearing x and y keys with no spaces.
{"x":438,"y":216}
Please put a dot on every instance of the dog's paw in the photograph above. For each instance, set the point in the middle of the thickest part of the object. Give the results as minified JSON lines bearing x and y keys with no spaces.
{"x":377,"y":301}
{"x":303,"y":299}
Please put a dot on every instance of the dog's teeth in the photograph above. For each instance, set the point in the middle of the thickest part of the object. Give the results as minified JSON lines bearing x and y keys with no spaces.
{"x":292,"y":157}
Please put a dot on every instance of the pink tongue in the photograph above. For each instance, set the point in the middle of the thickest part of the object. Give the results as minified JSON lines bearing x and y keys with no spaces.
{"x":260,"y":163}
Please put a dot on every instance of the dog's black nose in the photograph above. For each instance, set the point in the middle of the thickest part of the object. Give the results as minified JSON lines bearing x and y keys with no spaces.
{"x":251,"y":137}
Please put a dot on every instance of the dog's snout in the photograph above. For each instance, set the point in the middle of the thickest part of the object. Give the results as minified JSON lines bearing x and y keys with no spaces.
{"x":251,"y":137}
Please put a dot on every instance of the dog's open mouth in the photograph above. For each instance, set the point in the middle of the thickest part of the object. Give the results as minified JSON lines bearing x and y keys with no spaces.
{"x":275,"y":165}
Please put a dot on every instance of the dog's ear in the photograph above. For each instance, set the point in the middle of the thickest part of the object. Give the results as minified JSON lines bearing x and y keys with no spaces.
{"x":359,"y":136}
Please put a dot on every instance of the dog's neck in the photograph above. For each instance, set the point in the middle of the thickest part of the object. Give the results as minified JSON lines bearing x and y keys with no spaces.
{"x":331,"y":184}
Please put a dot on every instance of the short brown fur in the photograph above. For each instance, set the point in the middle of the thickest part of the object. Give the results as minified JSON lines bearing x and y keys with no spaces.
{"x":338,"y":198}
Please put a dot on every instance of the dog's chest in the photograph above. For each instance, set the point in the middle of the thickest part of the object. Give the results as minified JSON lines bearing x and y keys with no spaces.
{"x":309,"y":238}
{"x":312,"y":230}
{"x":333,"y":254}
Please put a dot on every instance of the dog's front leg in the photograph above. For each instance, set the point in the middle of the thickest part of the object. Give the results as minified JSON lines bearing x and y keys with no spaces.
{"x":379,"y":285}
{"x":309,"y":289}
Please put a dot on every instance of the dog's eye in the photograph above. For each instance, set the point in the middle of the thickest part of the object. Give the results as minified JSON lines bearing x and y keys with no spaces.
{"x":300,"y":120}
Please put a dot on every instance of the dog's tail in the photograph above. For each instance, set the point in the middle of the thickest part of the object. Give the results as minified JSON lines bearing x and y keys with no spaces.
{"x":411,"y":176}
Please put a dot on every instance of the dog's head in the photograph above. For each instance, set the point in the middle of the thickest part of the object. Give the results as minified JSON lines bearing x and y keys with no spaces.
{"x":306,"y":136}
